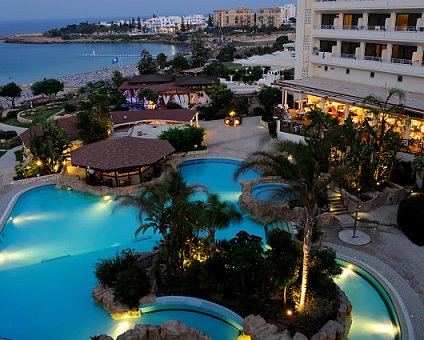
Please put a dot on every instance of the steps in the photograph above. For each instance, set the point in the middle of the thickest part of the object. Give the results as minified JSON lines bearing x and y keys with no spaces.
{"x":336,"y":204}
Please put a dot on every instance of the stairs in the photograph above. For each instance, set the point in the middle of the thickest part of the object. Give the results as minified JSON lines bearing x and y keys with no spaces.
{"x":336,"y":204}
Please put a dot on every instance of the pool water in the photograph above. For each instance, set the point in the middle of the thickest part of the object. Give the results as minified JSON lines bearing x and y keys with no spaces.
{"x":54,"y":237}
{"x":273,"y":192}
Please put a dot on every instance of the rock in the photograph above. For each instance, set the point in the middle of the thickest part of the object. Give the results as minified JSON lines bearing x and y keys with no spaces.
{"x":104,"y":295}
{"x":319,"y":336}
{"x":154,"y":332}
{"x":149,"y":299}
{"x":134,"y":334}
{"x":104,"y":337}
{"x":333,"y":330}
{"x":259,"y":329}
{"x":253,"y":323}
{"x":299,"y":336}
{"x":174,"y":329}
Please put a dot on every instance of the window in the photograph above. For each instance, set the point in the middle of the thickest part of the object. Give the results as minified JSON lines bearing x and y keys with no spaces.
{"x":325,"y":68}
{"x":326,"y":45}
{"x":347,"y":71}
{"x":400,"y":78}
{"x":372,"y":74}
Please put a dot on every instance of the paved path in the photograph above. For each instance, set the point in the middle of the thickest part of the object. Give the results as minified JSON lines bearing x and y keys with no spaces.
{"x":7,"y":166}
{"x":6,"y":127}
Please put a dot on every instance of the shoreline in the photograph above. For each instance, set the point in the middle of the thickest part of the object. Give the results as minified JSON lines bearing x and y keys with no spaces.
{"x":39,"y":38}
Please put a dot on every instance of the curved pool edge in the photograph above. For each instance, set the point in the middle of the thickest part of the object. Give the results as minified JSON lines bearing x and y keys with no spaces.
{"x":14,"y":199}
{"x":195,"y":305}
{"x":404,"y":299}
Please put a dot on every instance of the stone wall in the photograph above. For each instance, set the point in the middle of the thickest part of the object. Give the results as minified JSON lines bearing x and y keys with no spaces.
{"x":390,"y":195}
{"x":268,"y":212}
{"x":170,"y":330}
{"x":259,"y":329}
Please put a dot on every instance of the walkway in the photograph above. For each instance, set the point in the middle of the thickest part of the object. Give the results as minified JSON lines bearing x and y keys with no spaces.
{"x":7,"y":166}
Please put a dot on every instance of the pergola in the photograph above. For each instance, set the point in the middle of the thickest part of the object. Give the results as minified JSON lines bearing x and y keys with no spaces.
{"x":122,"y":161}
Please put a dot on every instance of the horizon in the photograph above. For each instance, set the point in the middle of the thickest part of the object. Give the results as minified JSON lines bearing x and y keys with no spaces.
{"x":28,"y":10}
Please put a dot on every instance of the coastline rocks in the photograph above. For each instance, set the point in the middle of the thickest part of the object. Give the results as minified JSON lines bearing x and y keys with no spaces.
{"x":170,"y":330}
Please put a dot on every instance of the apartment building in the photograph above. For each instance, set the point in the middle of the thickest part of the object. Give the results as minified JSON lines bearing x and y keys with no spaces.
{"x":349,"y":49}
{"x":288,"y":11}
{"x":234,"y":17}
{"x":268,"y":17}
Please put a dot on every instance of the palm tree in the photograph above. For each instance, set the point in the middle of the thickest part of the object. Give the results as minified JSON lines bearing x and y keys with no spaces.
{"x":386,"y":142}
{"x":296,"y":163}
{"x":217,"y":216}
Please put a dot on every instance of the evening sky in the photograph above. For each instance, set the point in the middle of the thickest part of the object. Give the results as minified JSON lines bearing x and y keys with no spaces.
{"x":56,"y":9}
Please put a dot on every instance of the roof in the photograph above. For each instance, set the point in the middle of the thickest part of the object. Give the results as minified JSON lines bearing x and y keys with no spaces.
{"x":350,"y":92}
{"x":175,"y":115}
{"x":195,"y":81}
{"x":68,"y":124}
{"x":150,"y":79}
{"x":121,"y":153}
{"x":159,"y":88}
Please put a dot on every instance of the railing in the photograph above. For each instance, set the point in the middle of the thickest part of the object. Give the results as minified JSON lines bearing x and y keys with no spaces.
{"x":327,"y":27}
{"x":402,"y":61}
{"x":347,"y":56}
{"x":406,"y":28}
{"x":297,"y":129}
{"x":371,"y":58}
{"x":350,"y":27}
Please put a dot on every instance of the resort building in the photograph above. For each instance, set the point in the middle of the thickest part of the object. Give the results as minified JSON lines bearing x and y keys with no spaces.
{"x":268,"y":17}
{"x":349,"y":49}
{"x":234,"y":17}
{"x":288,"y":11}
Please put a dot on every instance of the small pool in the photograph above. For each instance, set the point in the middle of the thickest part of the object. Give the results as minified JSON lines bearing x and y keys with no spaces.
{"x":273,"y":192}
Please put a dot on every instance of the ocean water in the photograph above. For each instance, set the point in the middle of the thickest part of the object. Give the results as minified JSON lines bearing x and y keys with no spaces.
{"x":28,"y":63}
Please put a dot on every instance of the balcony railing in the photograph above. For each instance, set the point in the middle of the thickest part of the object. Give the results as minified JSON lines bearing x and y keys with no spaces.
{"x":347,"y":56}
{"x":371,"y":58}
{"x":401,"y":61}
{"x":406,"y":28}
{"x":326,"y":27}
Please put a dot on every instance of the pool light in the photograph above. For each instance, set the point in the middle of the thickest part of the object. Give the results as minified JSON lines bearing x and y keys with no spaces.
{"x":244,"y":337}
{"x":107,"y":198}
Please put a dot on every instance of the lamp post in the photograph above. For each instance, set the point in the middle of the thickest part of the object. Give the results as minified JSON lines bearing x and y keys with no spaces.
{"x":355,"y":223}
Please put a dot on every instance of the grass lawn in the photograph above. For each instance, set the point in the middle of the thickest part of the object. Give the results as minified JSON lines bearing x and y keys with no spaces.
{"x":43,"y":112}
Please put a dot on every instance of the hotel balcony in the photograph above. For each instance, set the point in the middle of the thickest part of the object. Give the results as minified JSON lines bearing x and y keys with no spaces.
{"x":370,"y":63}
{"x":411,"y":34}
{"x":342,"y":5}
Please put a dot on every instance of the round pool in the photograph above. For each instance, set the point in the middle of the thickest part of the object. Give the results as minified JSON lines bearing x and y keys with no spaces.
{"x":273,"y":192}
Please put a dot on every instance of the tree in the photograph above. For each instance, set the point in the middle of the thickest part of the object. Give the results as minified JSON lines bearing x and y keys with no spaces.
{"x":148,"y":94}
{"x":220,"y":94}
{"x":11,"y":91}
{"x":48,"y":146}
{"x":385,"y":141}
{"x":146,"y":65}
{"x":95,"y":122}
{"x":283,"y":257}
{"x":47,"y":87}
{"x":296,"y":163}
{"x":199,"y":53}
{"x":216,"y":69}
{"x":218,"y":215}
{"x":210,"y":21}
{"x":161,"y":60}
{"x":117,"y":78}
{"x":227,"y":53}
{"x":179,"y":62}
{"x":269,"y":97}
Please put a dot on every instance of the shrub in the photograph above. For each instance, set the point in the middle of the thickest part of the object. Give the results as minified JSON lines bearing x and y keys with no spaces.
{"x":185,"y":139}
{"x":402,"y":173}
{"x":70,"y":108}
{"x":129,"y":282}
{"x":272,"y":128}
{"x":12,"y":114}
{"x":7,"y":134}
{"x":171,"y":105}
{"x":411,"y":218}
{"x":258,"y":111}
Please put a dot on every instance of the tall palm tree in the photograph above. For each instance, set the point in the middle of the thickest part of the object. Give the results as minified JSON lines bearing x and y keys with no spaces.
{"x":386,"y":142}
{"x":294,"y":162}
{"x":218,"y":215}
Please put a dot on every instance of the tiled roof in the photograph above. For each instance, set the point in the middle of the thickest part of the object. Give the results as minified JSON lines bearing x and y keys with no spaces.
{"x":121,"y":153}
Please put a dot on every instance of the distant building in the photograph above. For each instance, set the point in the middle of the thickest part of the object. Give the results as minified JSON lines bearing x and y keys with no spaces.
{"x":234,"y":17}
{"x":287,"y":12}
{"x":268,"y":17}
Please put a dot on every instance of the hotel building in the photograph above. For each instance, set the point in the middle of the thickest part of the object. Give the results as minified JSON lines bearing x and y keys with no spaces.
{"x":234,"y":17}
{"x":349,"y":49}
{"x":268,"y":17}
{"x":288,"y":11}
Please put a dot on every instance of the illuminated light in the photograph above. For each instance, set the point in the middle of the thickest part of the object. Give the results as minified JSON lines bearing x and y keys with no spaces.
{"x":289,"y":312}
{"x":107,"y":198}
{"x":237,"y":122}
{"x":290,"y":157}
{"x":2,"y":258}
{"x":244,"y":337}
{"x":39,"y":163}
{"x":268,"y":247}
{"x":232,"y":114}
{"x":350,"y":266}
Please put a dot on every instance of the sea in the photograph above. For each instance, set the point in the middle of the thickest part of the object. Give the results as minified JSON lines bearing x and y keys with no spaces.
{"x":28,"y":63}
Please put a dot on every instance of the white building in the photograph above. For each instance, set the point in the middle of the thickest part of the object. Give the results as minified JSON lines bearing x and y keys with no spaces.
{"x":288,"y":11}
{"x":349,"y":49}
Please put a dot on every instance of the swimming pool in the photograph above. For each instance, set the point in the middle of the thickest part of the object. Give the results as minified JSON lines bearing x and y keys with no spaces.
{"x":273,"y":192}
{"x":55,"y":236}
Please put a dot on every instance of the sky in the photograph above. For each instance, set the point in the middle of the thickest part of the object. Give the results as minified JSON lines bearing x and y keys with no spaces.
{"x":12,"y":10}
